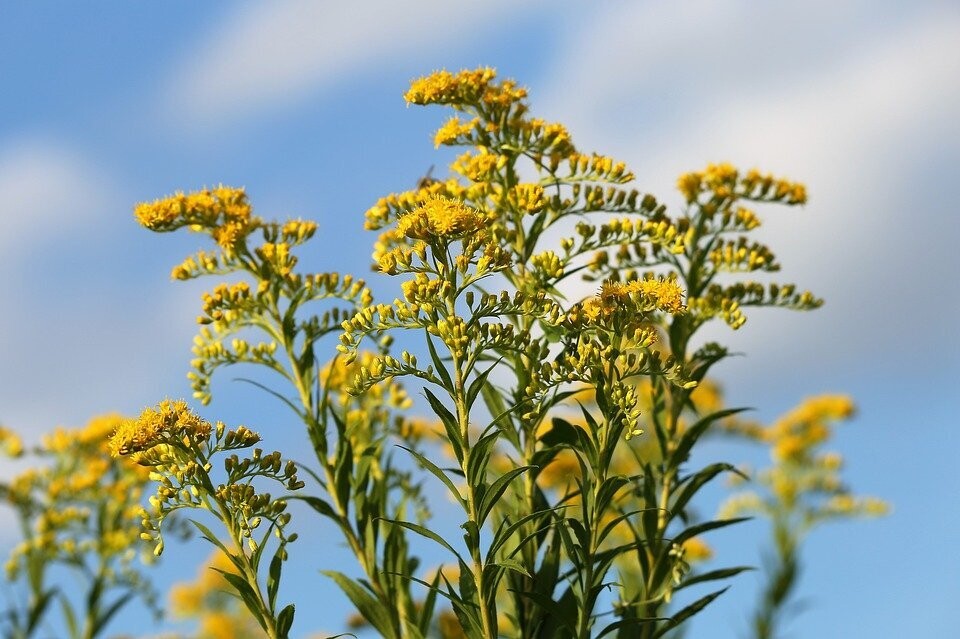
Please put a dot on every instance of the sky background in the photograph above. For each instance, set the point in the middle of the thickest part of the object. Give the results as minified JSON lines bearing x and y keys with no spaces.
{"x":107,"y":104}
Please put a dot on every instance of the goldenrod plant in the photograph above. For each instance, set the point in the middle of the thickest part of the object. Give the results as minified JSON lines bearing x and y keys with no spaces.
{"x":179,"y":447}
{"x":799,"y":491}
{"x":569,"y":414}
{"x":78,"y":511}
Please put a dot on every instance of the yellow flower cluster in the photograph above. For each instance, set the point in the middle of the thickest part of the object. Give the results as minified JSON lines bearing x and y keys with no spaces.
{"x":223,"y":211}
{"x":171,"y":421}
{"x":453,"y":130}
{"x":804,"y":484}
{"x":479,"y":167}
{"x":474,"y":86}
{"x":529,"y":198}
{"x":629,"y":300}
{"x":724,"y":182}
{"x":441,"y":218}
{"x":339,"y":374}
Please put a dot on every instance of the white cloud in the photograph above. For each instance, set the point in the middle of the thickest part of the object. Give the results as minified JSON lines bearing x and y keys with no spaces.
{"x":77,"y":341}
{"x":267,"y":54}
{"x":849,"y":103}
{"x":45,"y":190}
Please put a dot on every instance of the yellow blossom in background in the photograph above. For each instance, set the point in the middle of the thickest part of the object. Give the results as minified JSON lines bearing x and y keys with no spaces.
{"x":10,"y":442}
{"x":207,"y":600}
{"x":804,"y":483}
{"x":79,"y":510}
{"x":466,"y":86}
{"x":696,"y":549}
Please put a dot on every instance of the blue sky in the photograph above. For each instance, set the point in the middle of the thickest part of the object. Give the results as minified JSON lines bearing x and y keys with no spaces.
{"x":106,"y":104}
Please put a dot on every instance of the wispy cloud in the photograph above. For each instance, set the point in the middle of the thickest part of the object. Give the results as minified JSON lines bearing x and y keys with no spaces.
{"x":269,"y":54}
{"x":45,"y":189}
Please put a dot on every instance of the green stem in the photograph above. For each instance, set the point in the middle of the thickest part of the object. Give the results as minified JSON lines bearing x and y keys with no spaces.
{"x":487,"y":617}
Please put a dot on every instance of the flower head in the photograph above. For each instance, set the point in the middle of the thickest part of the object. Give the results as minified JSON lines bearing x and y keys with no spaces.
{"x":170,"y":422}
{"x":441,"y":217}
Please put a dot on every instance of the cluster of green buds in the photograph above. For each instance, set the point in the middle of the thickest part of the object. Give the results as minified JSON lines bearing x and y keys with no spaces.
{"x":179,"y":448}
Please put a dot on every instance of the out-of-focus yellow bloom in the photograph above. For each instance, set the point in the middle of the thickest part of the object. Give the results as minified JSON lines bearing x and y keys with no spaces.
{"x":724,"y":182}
{"x":696,"y":549}
{"x":10,"y":443}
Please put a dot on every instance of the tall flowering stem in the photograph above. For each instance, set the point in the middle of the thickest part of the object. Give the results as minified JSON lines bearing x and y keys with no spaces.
{"x":715,"y":226}
{"x":179,"y":448}
{"x":451,"y":250}
{"x":801,"y":490}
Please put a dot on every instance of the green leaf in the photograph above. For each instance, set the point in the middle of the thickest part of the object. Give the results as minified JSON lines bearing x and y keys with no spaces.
{"x":699,"y":529}
{"x":449,"y":423}
{"x":477,"y":384}
{"x":503,"y":534}
{"x":273,"y":578}
{"x":319,"y":505}
{"x":372,"y":610}
{"x":713,"y":575}
{"x":285,"y":621}
{"x":105,"y":617}
{"x":429,"y":603}
{"x":512,"y":564}
{"x":425,"y":532}
{"x":561,"y":433}
{"x":692,"y":484}
{"x":692,"y":434}
{"x":623,"y":623}
{"x":343,"y":470}
{"x":479,"y":456}
{"x":437,"y":472}
{"x":688,"y":612}
{"x":209,"y":536}
{"x":68,"y":614}
{"x":438,"y":364}
{"x":39,"y":608}
{"x":246,"y":593}
{"x":496,"y":490}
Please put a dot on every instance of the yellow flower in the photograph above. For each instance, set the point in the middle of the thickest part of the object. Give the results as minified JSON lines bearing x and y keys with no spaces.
{"x":440,"y":217}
